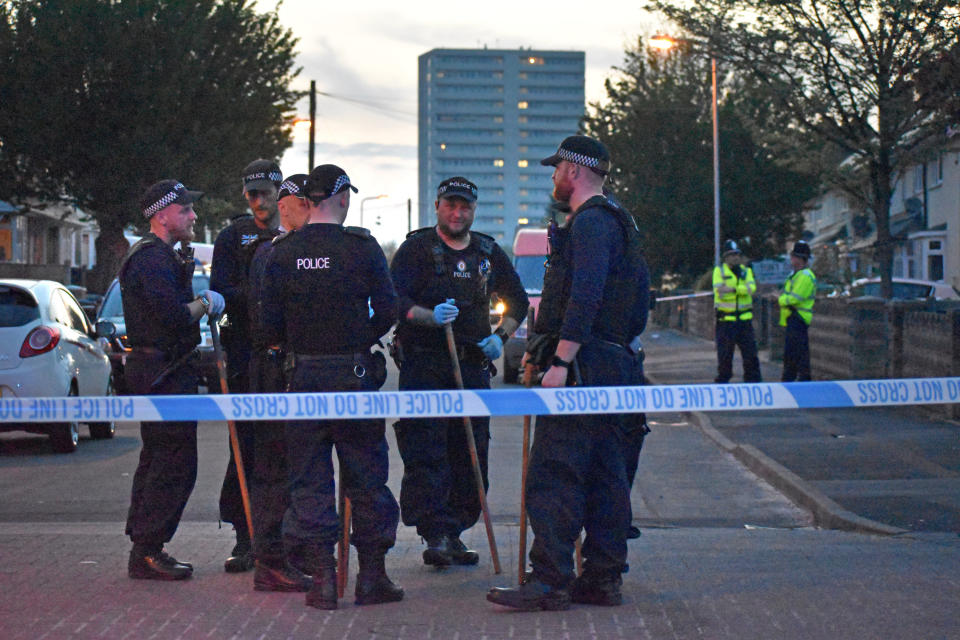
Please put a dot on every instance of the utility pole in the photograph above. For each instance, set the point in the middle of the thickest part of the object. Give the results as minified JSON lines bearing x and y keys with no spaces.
{"x":313,"y":121}
{"x":409,"y":215}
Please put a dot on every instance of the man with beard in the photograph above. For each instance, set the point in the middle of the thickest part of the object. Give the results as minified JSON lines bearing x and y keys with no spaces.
{"x":229,"y":275}
{"x":596,"y":300}
{"x":163,"y":327}
{"x":446,"y":274}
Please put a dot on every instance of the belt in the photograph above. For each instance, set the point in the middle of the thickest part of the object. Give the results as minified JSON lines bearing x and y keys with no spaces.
{"x":354,"y":358}
{"x":465,"y":353}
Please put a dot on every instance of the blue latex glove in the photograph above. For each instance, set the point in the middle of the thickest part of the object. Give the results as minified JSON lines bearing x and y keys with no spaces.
{"x":217,"y":303}
{"x":492,"y":346}
{"x":445,"y":312}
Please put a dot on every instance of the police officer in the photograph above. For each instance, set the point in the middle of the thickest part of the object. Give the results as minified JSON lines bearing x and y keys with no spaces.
{"x":319,"y":284}
{"x":162,"y":320}
{"x":446,"y":274}
{"x":796,"y":312}
{"x":596,"y":300}
{"x":733,"y":289}
{"x":269,"y":495}
{"x":232,"y":253}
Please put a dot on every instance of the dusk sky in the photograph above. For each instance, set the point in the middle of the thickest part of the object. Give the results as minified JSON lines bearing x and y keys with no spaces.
{"x":367,"y":52}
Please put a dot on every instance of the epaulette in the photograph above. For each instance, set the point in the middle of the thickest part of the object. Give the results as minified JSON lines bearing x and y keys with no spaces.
{"x":417,"y":232}
{"x":283,"y":235}
{"x":362,"y":232}
{"x":240,"y":216}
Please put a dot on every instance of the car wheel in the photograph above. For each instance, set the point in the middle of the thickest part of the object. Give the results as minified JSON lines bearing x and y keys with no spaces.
{"x":510,"y":374}
{"x":104,"y":430}
{"x":64,"y":437}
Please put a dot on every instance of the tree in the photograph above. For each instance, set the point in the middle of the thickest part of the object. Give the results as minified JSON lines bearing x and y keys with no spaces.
{"x":657,"y":124}
{"x":843,"y":72}
{"x":101,"y":98}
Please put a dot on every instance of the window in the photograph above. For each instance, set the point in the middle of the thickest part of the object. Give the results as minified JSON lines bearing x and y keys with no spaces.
{"x":533,"y":60}
{"x":522,"y":163}
{"x":498,"y":162}
{"x":523,"y":104}
{"x":918,"y":179}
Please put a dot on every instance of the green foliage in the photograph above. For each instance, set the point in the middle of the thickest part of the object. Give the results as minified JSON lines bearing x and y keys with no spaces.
{"x":856,"y":75}
{"x":657,"y":124}
{"x":101,"y":98}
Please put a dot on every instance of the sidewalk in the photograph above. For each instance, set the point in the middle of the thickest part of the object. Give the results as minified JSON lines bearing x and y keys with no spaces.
{"x":883,"y":470}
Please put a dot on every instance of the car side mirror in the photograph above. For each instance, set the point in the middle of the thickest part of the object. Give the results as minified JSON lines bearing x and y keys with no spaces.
{"x":106,"y":329}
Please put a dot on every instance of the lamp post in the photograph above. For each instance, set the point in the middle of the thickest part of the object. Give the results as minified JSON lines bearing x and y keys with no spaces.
{"x":363,"y":200}
{"x":665,"y":43}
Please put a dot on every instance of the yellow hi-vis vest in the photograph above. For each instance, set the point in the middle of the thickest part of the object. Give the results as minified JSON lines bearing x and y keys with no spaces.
{"x":738,"y":303}
{"x":798,"y":293}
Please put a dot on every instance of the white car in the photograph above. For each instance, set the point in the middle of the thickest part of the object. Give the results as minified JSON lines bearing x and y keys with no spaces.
{"x":905,"y":289}
{"x":49,"y":348}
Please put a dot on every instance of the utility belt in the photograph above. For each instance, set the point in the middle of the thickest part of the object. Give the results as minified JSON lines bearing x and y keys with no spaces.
{"x":466,"y":353}
{"x":361,"y":363}
{"x":726,"y":316}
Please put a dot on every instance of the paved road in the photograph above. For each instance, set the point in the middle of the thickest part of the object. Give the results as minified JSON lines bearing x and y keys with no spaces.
{"x":897,"y":466}
{"x":723,"y":555}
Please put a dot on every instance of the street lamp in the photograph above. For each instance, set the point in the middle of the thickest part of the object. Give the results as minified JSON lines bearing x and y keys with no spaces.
{"x":380,"y":197}
{"x":665,"y":43}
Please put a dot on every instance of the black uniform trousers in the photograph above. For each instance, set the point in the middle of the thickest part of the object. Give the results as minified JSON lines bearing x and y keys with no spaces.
{"x":167,"y":470}
{"x":238,"y":351}
{"x":438,"y":494}
{"x":311,"y":522}
{"x":732,"y":334}
{"x":796,"y":350}
{"x":268,"y":477}
{"x":577,"y":477}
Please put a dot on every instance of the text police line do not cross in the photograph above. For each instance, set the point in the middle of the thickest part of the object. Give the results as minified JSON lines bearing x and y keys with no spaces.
{"x":486,"y":402}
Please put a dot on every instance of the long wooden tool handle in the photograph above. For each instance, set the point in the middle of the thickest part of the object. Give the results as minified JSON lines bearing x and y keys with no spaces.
{"x":472,"y":445}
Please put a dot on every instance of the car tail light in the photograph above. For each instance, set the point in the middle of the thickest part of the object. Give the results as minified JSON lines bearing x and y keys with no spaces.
{"x":40,"y":340}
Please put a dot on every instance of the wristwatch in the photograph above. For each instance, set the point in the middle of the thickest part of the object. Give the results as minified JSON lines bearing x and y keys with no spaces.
{"x":203,"y":301}
{"x":557,"y":361}
{"x":500,"y":333}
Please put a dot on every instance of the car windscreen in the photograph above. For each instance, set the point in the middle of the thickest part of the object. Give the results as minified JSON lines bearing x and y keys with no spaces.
{"x":901,"y":290}
{"x":112,"y":306}
{"x":17,"y":307}
{"x":530,"y":269}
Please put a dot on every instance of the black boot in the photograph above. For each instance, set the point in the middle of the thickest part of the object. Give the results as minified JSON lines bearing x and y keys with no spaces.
{"x":459,"y":553}
{"x":323,"y":591}
{"x":274,"y":574}
{"x":599,"y":590}
{"x":150,"y":562}
{"x":241,"y":558}
{"x":532,"y":595}
{"x":373,"y":585}
{"x":437,"y":553}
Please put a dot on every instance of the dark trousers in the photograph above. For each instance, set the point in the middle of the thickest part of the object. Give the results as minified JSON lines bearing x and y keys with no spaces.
{"x":577,"y":478}
{"x":311,"y":522}
{"x":732,"y":334}
{"x":438,"y":494}
{"x":269,"y":494}
{"x":796,"y":350}
{"x":231,"y":500}
{"x":167,"y":470}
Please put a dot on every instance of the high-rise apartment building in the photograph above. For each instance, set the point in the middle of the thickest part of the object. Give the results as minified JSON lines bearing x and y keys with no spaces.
{"x":490,"y":115}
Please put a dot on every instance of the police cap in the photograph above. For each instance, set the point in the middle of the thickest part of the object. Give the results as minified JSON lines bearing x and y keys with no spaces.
{"x":325,"y":181}
{"x":165,"y":193}
{"x":582,"y":150}
{"x":260,"y":174}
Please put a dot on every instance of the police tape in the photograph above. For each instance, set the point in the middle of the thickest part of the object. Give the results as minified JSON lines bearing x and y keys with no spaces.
{"x":485,"y":402}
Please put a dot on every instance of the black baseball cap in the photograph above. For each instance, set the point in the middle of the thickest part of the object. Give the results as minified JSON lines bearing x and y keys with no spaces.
{"x":582,"y":150}
{"x":325,"y":181}
{"x":293,"y":186}
{"x":459,"y":187}
{"x":165,"y":193}
{"x":260,"y":174}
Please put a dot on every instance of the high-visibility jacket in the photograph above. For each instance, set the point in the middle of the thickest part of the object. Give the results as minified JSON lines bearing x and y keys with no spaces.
{"x":738,"y":303}
{"x":798,"y":293}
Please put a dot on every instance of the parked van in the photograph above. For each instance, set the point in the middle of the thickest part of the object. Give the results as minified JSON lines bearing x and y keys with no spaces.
{"x":530,"y":251}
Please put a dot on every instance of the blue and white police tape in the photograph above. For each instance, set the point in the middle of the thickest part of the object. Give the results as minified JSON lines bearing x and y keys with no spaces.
{"x":485,"y":402}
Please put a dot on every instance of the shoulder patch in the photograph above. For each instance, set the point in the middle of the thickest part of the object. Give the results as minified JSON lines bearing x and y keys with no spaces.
{"x":362,"y":232}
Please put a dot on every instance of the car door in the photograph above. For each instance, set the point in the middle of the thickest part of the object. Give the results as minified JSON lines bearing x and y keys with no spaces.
{"x":92,"y":364}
